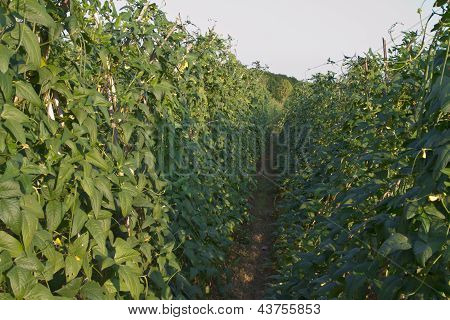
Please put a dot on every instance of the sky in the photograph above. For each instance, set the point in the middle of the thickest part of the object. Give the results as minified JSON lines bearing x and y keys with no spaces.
{"x":293,"y":36}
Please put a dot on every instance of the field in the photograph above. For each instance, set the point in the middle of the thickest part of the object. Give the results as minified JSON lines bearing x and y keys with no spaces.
{"x":141,"y":160}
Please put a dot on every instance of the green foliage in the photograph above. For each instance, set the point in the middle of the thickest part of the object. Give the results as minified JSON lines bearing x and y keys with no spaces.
{"x":366,"y":214}
{"x":280,"y":86}
{"x":114,"y":183}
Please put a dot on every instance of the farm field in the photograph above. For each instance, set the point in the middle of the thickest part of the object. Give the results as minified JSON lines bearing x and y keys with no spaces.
{"x":142,"y":160}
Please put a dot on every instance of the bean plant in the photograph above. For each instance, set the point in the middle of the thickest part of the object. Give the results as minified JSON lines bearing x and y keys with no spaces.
{"x":364,"y":212}
{"x":115,"y":180}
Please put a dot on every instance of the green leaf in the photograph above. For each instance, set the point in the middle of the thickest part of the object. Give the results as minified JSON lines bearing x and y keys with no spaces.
{"x":125,"y":202}
{"x":433,"y":211}
{"x":30,"y":204}
{"x":87,"y":266}
{"x":6,"y":85}
{"x":33,"y":169}
{"x":95,"y":158}
{"x":110,"y":289}
{"x":79,"y":246}
{"x":6,"y":296}
{"x":96,"y":201}
{"x":92,"y":291}
{"x":443,"y":158}
{"x":65,"y":172}
{"x":80,"y":114}
{"x":38,"y":292}
{"x":5,"y":261}
{"x":124,"y":252}
{"x":29,"y":228}
{"x":423,"y":252}
{"x":161,"y":89}
{"x":128,"y":129}
{"x":411,"y":210}
{"x":96,"y":230}
{"x":9,"y":189}
{"x":6,"y":54}
{"x":95,"y":196}
{"x":33,"y":11}
{"x":29,"y":263}
{"x":446,"y":171}
{"x":104,"y":186}
{"x":71,"y":289}
{"x":3,"y":135}
{"x":98,"y":100}
{"x":88,"y":185}
{"x":157,"y":211}
{"x":107,"y":262}
{"x":129,"y":281}
{"x":10,"y":112}
{"x":10,"y":244}
{"x":30,"y":43}
{"x":79,"y":219}
{"x":21,"y":281}
{"x":117,"y":153}
{"x":91,"y":126}
{"x":158,"y":279}
{"x":73,"y":267}
{"x":395,"y":243}
{"x":54,"y":214}
{"x":55,"y":262}
{"x":10,"y":214}
{"x":16,"y":129}
{"x":26,"y":91}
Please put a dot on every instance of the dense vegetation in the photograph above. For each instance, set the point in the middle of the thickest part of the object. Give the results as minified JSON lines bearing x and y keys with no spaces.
{"x":127,"y":145}
{"x":116,"y":177}
{"x":364,"y":212}
{"x":280,"y":86}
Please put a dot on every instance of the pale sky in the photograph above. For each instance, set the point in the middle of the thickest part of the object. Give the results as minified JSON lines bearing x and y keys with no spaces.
{"x":291,"y":36}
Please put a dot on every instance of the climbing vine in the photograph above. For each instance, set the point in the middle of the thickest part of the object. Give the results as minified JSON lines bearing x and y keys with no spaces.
{"x":112,"y":181}
{"x":365,"y":207}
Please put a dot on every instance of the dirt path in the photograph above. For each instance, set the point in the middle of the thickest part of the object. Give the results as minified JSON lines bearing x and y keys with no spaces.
{"x":251,"y":253}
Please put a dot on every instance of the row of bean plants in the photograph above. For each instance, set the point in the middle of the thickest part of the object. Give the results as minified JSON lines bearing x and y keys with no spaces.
{"x":117,"y":178}
{"x":364,"y":209}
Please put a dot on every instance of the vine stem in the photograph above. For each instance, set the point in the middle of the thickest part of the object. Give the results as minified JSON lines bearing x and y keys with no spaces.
{"x":446,"y":59}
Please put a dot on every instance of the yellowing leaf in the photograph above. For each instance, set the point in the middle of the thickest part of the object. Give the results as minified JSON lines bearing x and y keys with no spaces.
{"x":424,"y":154}
{"x":433,"y":198}
{"x":57,"y":242}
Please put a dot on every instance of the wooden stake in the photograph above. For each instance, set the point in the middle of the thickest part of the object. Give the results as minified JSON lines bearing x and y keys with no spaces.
{"x":385,"y":59}
{"x":385,"y":50}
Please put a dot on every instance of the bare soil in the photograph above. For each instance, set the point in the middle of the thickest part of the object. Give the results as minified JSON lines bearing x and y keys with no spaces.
{"x":251,"y":255}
